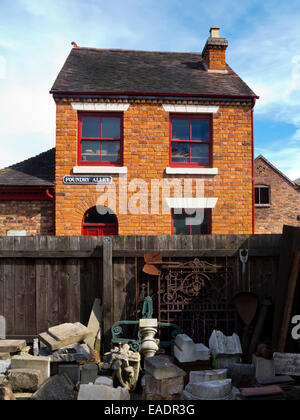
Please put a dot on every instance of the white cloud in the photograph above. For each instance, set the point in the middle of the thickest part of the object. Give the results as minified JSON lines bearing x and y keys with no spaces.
{"x":297,"y":135}
{"x":26,"y":110}
{"x":286,"y":159}
{"x":2,"y":68}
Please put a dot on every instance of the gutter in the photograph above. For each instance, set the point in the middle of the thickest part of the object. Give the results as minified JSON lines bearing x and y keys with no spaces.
{"x":253,"y":168}
{"x":152,"y":94}
{"x":52,"y":197}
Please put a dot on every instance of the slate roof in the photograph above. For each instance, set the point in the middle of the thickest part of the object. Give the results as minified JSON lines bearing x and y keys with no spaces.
{"x":38,"y":171}
{"x":89,"y":70}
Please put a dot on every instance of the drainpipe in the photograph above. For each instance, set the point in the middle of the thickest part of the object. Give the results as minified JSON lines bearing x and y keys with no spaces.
{"x":51,"y":196}
{"x":253,"y":170}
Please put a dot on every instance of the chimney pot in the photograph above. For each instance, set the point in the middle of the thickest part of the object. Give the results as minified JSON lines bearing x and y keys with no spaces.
{"x":215,"y":32}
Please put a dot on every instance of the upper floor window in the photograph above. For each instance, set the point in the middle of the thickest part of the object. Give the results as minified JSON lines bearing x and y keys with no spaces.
{"x":100,"y":139}
{"x":190,"y":141}
{"x":262,"y":196}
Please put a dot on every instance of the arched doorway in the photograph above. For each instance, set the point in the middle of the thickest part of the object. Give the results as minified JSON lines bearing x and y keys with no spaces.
{"x":99,"y":221}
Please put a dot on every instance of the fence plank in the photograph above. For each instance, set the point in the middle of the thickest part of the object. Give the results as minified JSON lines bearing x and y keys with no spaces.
{"x":107,"y":291}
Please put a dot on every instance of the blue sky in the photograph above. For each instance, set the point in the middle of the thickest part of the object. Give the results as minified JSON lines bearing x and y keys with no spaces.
{"x":36,"y":36}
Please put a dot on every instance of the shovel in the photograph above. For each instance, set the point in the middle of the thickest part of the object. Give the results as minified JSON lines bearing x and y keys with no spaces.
{"x":246,"y":304}
{"x":153,"y":270}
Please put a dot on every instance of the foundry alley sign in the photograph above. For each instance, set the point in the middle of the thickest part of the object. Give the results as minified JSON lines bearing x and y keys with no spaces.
{"x":87,"y":180}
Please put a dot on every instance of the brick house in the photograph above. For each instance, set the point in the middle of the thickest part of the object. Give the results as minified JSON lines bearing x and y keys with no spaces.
{"x":27,"y":197}
{"x":167,"y":134}
{"x":277,"y":198}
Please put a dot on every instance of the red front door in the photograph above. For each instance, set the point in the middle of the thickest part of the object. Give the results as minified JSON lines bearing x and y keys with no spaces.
{"x":100,"y":230}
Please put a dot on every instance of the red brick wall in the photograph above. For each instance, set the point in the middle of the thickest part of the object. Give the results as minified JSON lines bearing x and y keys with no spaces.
{"x":285,"y":201}
{"x":33,"y":216}
{"x":215,"y":57}
{"x":146,"y":155}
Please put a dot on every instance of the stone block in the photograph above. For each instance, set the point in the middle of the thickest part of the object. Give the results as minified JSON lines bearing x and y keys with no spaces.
{"x":4,"y":356}
{"x":185,"y":343}
{"x":104,"y":380}
{"x":89,"y":374}
{"x":32,"y":362}
{"x":214,"y":390}
{"x":207,"y":375}
{"x":184,"y":357}
{"x":221,"y":345}
{"x":4,"y":366}
{"x":94,"y":324}
{"x":71,"y":370}
{"x":24,"y":380}
{"x":65,"y":335}
{"x":164,"y":387}
{"x":161,"y":368}
{"x":202,"y":352}
{"x":56,"y":388}
{"x":12,"y":346}
{"x":153,"y":397}
{"x":91,"y":392}
{"x":224,"y":362}
{"x":73,"y":353}
{"x":242,"y":375}
{"x":287,"y":364}
{"x":263,"y":368}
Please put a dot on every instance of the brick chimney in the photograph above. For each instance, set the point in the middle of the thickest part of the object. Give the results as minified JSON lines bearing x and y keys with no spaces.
{"x":214,"y":52}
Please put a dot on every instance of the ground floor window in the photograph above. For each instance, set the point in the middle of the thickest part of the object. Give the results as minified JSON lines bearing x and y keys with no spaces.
{"x":262,"y":196}
{"x":198,"y":223}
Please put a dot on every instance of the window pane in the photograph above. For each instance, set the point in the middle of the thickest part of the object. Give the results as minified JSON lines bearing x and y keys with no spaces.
{"x":200,"y":153}
{"x":201,"y":229}
{"x":110,"y":151}
{"x":180,"y":130}
{"x":110,"y":128}
{"x":90,"y":127}
{"x":200,"y":130}
{"x":90,"y":151}
{"x":180,"y":228}
{"x":264,"y":196}
{"x":180,"y":152}
{"x":257,"y":196}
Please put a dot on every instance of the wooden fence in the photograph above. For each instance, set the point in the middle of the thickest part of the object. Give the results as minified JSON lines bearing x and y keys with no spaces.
{"x":45,"y":281}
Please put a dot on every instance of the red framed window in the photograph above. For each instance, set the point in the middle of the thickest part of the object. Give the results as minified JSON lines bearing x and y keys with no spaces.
{"x":100,"y":140}
{"x":182,"y":227}
{"x":191,"y":141}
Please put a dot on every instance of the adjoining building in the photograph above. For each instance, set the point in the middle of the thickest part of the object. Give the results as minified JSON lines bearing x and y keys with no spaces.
{"x":277,"y":198}
{"x":27,"y":197}
{"x":166,"y":134}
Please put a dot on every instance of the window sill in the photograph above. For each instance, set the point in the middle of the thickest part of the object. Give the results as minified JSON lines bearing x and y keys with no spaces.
{"x":262,"y":206}
{"x":100,"y":170}
{"x":192,"y":202}
{"x":192,"y":171}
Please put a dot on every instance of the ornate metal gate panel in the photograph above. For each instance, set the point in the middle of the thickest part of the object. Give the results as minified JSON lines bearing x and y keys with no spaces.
{"x":198,"y":296}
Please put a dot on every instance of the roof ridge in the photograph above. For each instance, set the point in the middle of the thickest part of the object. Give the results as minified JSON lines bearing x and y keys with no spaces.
{"x":277,"y":170}
{"x":141,"y":51}
{"x":26,"y":160}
